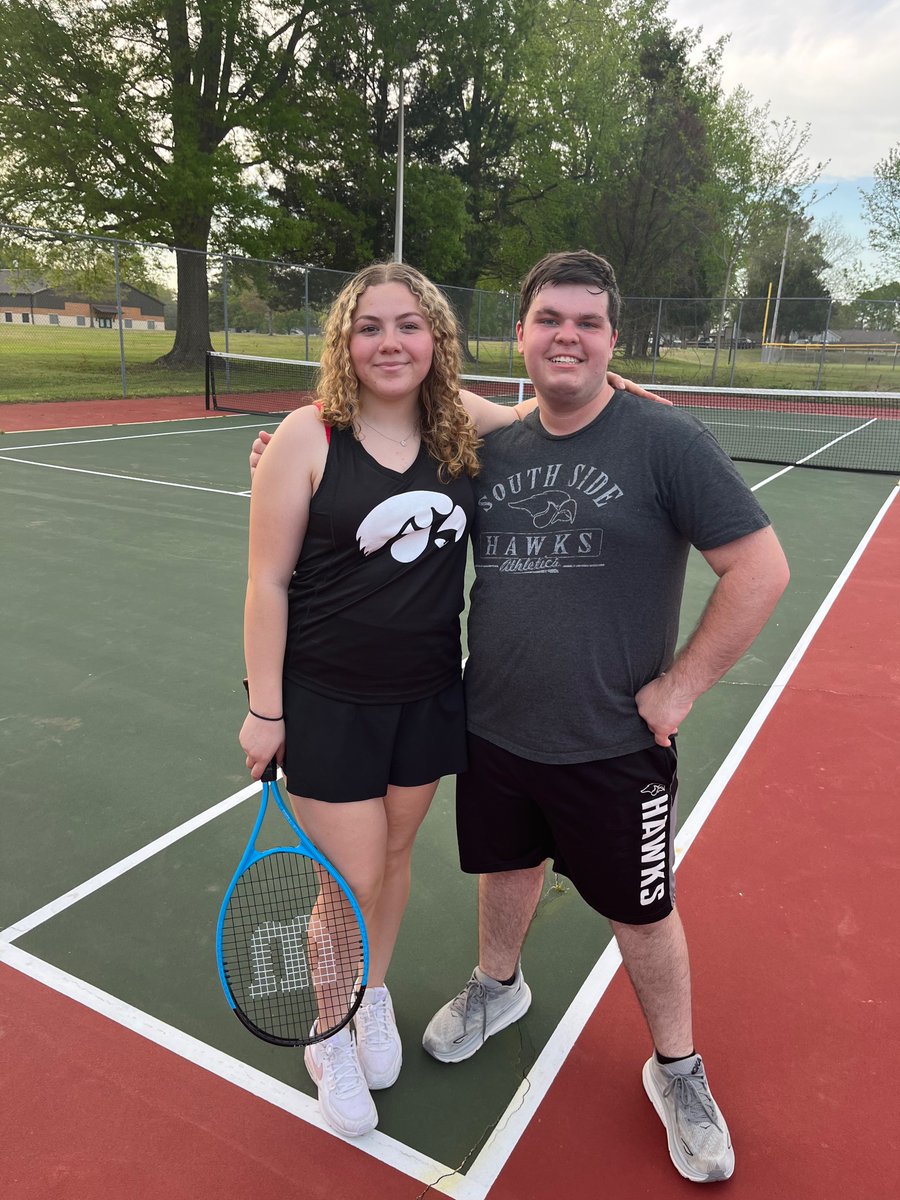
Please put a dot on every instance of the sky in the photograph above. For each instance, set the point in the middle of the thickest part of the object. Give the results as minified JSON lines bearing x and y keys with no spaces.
{"x":834,"y":64}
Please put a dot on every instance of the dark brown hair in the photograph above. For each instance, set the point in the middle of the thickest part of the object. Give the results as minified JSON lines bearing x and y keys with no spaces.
{"x":572,"y":266}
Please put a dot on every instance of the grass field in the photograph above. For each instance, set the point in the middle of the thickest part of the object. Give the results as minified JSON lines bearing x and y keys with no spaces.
{"x":50,"y":363}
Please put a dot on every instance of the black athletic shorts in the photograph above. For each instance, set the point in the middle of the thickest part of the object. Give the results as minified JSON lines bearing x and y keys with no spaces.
{"x":608,"y":825}
{"x":339,"y":752}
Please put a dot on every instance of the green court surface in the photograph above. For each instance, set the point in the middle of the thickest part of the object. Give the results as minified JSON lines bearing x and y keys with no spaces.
{"x":124,"y":555}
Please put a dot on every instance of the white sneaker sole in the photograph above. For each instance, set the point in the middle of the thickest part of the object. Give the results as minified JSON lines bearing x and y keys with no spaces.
{"x":502,"y":1021}
{"x":682,"y":1164}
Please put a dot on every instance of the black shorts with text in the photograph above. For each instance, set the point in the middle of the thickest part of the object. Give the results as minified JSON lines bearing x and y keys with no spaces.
{"x":608,"y":825}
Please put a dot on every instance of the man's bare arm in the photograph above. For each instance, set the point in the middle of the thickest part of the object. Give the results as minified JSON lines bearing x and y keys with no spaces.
{"x":753,"y":573}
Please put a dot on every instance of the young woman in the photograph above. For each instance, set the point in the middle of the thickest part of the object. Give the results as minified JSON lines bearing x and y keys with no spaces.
{"x":358,"y":529}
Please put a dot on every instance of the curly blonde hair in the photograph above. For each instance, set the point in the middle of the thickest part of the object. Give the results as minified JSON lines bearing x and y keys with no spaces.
{"x":447,"y":431}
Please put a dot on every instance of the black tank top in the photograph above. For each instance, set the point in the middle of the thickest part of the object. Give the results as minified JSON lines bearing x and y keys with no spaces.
{"x":374,"y":602}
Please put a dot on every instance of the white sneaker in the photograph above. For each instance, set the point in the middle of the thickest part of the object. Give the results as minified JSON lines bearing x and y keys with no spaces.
{"x":378,"y":1042}
{"x":344,"y":1099}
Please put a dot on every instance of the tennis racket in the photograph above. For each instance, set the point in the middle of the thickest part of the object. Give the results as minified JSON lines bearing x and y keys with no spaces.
{"x":291,"y":943}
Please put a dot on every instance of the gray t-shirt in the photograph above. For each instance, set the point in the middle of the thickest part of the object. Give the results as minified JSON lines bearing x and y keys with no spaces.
{"x":580,"y":546}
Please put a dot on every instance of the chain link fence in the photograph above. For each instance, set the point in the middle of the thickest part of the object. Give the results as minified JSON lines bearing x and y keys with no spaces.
{"x":92,"y":317}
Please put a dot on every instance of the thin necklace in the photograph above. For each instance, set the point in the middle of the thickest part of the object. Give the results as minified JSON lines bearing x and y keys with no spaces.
{"x":399,"y":441}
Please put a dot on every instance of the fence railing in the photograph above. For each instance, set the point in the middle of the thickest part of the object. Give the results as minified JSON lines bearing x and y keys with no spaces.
{"x":89,"y":316}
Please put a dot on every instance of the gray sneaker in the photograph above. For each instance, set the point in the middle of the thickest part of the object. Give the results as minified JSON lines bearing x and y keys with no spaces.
{"x":699,"y":1141}
{"x":482,"y":1008}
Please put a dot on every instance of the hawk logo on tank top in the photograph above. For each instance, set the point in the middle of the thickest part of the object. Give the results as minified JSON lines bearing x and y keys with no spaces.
{"x":411,"y":523}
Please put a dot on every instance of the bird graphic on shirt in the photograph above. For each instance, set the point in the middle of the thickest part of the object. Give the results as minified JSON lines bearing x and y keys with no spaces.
{"x":548,"y":508}
{"x":411,"y":522}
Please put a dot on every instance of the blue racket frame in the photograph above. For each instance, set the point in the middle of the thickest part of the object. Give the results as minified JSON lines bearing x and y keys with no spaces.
{"x":306,"y":849}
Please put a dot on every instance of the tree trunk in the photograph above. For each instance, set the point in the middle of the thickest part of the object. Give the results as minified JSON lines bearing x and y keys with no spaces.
{"x":192,"y":328}
{"x":462,"y":303}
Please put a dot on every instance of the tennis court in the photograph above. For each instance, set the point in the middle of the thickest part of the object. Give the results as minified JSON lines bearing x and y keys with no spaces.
{"x":127,"y":806}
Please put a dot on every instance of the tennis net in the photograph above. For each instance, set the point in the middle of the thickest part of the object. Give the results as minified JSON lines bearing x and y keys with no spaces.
{"x":842,"y":431}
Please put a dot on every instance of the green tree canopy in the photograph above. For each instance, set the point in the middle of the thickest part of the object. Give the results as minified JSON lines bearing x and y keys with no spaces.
{"x":882,"y":205}
{"x":805,"y":310}
{"x":146,"y":117}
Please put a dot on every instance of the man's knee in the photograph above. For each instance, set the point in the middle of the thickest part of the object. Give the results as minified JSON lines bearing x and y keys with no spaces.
{"x":651,"y":931}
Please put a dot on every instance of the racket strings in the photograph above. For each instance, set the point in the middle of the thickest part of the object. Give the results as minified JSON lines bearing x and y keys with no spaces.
{"x":292,"y":948}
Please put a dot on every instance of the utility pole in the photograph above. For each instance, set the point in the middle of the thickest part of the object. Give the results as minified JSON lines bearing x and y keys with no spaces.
{"x":787,"y":234}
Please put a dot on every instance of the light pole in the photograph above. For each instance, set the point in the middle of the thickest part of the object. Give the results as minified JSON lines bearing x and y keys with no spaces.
{"x":398,"y":213}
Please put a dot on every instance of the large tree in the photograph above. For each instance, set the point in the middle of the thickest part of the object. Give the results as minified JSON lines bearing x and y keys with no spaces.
{"x":873,"y":308}
{"x":883,"y":207}
{"x":761,"y":169}
{"x":469,"y":109}
{"x":652,"y":216}
{"x":144,"y":118}
{"x":624,"y":168}
{"x":342,"y":183}
{"x":790,"y":241}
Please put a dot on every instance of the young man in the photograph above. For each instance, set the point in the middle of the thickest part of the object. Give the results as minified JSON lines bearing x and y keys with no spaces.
{"x":586,"y":511}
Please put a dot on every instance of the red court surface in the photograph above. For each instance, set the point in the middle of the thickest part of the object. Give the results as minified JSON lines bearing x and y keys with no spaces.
{"x":788,"y":894}
{"x":75,"y":414}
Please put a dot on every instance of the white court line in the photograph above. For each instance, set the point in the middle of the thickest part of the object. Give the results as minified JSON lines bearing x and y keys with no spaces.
{"x":257,"y":1083}
{"x":190,"y":487}
{"x":132,"y":437}
{"x":801,"y":461}
{"x":834,"y":441}
{"x":777,"y":428}
{"x":61,"y":903}
{"x":486,"y":1167}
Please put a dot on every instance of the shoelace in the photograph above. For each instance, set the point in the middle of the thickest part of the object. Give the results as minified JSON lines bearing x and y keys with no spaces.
{"x":374,"y":1018}
{"x":473,"y":993}
{"x":343,"y":1066}
{"x":692,"y":1096}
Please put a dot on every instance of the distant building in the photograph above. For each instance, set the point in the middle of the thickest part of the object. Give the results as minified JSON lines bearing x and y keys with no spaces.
{"x":27,"y":300}
{"x":864,"y":337}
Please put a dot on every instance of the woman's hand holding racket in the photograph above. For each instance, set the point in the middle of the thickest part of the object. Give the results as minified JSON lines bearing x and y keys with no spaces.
{"x":262,"y":741}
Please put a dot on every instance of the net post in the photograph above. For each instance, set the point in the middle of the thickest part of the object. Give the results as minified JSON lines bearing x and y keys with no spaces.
{"x":656,"y":341}
{"x":206,"y":372}
{"x":119,"y":319}
{"x":737,"y":339}
{"x":225,"y":297}
{"x":306,"y":312}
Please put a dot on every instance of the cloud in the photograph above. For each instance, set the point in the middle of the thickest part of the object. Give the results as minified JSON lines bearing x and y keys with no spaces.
{"x":827,"y":63}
